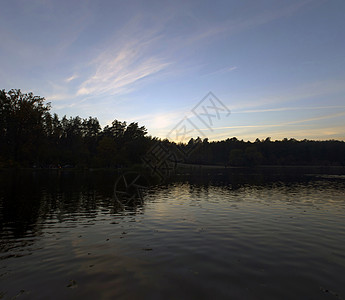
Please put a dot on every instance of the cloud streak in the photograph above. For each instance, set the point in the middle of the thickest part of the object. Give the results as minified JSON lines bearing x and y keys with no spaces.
{"x":330,"y":116}
{"x":71,"y":78}
{"x":117,"y":70}
{"x":295,"y":132}
{"x":289,"y":95}
{"x":289,"y":109}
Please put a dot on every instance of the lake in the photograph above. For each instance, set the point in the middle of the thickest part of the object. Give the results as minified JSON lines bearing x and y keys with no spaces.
{"x":268,"y":233}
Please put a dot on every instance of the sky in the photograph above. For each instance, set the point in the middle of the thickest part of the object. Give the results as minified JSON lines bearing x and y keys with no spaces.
{"x":214,"y":69}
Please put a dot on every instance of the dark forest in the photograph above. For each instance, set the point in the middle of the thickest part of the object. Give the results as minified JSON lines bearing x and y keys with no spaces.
{"x":31,"y":136}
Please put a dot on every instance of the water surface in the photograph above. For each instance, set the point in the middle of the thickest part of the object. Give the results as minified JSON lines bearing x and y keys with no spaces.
{"x":239,"y":234}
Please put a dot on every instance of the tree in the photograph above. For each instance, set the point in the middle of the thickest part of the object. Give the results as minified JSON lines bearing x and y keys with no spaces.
{"x":22,"y":126}
{"x":236,"y":157}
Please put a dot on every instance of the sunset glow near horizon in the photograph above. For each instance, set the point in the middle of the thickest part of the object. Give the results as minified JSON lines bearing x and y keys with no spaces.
{"x":278,"y":66}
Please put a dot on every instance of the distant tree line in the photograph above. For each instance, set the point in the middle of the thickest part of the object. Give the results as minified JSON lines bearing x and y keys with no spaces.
{"x":234,"y":152}
{"x":31,"y":136}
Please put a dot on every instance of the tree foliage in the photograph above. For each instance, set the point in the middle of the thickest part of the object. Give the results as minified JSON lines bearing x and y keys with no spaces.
{"x":30,"y":135}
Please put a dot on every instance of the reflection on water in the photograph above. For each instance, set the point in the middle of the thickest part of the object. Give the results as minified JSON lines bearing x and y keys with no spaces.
{"x":242,"y":234}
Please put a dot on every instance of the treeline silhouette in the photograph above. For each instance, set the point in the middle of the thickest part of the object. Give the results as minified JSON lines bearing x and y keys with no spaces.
{"x":31,"y":136}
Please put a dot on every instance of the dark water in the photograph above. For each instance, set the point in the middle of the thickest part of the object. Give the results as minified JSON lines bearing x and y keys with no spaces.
{"x":243,"y":234}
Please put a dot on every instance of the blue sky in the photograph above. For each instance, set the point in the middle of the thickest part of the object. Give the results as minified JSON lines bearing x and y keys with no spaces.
{"x":278,"y":66}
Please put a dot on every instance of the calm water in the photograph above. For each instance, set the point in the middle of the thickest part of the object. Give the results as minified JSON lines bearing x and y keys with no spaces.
{"x":243,"y":234}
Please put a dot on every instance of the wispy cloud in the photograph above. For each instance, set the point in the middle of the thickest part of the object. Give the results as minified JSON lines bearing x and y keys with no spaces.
{"x":69,"y":79}
{"x":222,"y":71}
{"x":289,"y":109}
{"x":335,"y":115}
{"x":288,"y":95}
{"x":296,"y":128}
{"x":57,"y":97}
{"x":131,"y":56}
{"x":330,"y":116}
{"x":118,"y":68}
{"x":290,"y":132}
{"x":234,"y":26}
